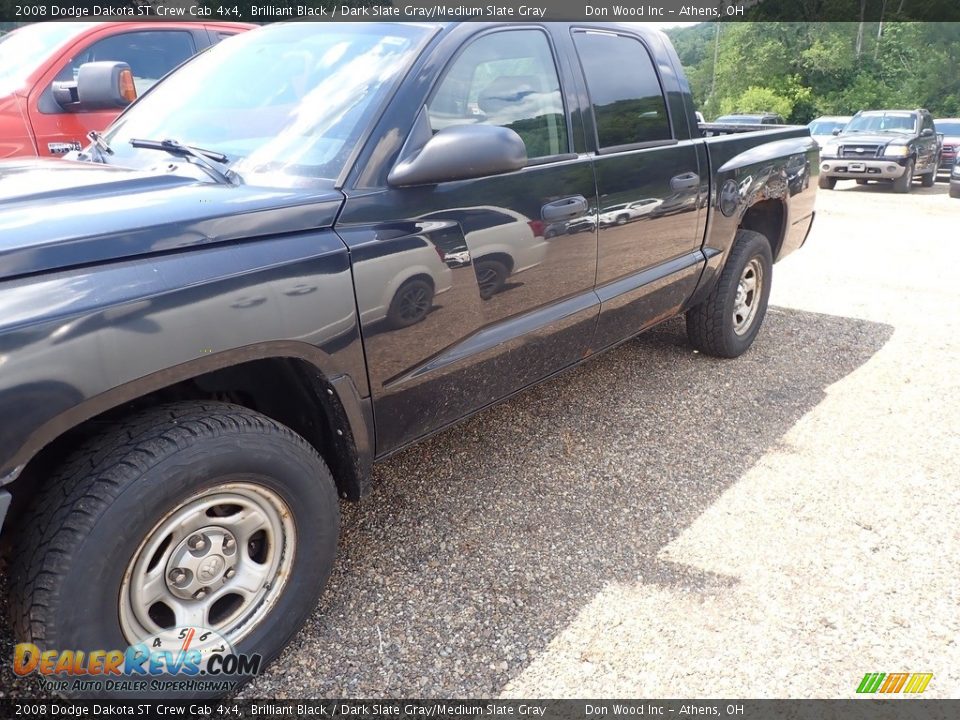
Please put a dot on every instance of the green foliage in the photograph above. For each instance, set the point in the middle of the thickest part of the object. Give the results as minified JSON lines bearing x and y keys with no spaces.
{"x":802,"y":70}
{"x":757,"y":100}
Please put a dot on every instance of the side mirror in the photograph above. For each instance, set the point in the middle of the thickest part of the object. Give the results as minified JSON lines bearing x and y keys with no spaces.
{"x":105,"y":85}
{"x":461,"y":152}
{"x":837,"y":131}
{"x":926,"y":132}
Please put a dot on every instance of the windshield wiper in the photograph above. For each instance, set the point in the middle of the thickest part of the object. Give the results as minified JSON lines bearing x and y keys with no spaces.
{"x":200,"y":157}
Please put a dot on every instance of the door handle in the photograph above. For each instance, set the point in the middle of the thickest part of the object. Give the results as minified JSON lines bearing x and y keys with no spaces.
{"x":566,"y":209}
{"x":686,"y":181}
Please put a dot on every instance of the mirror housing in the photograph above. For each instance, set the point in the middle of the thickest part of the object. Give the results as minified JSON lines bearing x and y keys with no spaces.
{"x":837,"y":131}
{"x":460,"y":152}
{"x":104,"y":85}
{"x":926,"y":132}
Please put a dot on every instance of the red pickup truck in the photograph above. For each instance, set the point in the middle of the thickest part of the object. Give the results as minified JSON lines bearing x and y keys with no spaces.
{"x":38,"y":64}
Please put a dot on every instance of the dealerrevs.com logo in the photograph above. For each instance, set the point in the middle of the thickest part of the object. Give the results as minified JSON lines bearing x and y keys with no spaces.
{"x":187,"y":659}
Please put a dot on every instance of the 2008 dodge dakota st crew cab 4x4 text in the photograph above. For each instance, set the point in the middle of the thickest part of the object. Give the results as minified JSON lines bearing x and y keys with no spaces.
{"x":248,"y":290}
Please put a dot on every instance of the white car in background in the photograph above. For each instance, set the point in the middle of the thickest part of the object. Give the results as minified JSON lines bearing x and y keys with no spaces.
{"x":824,"y":128}
{"x":501,"y":243}
{"x":623,"y":213}
{"x":400,"y":287}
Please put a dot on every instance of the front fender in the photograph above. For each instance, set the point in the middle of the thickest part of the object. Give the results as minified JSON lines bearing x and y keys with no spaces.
{"x":77,"y":343}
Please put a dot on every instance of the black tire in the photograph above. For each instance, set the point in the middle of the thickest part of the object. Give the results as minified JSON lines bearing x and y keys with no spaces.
{"x":710,"y":325}
{"x":826,"y":183}
{"x":930,"y":180}
{"x":76,"y":544}
{"x":411,"y":303}
{"x":491,"y":277}
{"x":623,"y":219}
{"x":954,"y":190}
{"x":904,"y":183}
{"x":862,"y":181}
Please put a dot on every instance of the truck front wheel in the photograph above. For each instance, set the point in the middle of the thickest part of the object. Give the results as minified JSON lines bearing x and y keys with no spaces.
{"x":903,"y":183}
{"x":197,"y":526}
{"x":727,"y":321}
{"x":826,"y":183}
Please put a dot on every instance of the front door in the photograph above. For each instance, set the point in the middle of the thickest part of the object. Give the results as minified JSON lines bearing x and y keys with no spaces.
{"x":470,"y":290}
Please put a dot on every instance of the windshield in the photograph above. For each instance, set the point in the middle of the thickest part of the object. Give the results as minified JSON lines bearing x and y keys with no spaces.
{"x":948,"y":127}
{"x":23,"y":51}
{"x":893,"y":122}
{"x":826,"y":127}
{"x":286,"y":104}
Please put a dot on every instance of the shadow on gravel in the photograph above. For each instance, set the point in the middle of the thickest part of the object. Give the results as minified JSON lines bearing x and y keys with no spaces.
{"x":478,"y":546}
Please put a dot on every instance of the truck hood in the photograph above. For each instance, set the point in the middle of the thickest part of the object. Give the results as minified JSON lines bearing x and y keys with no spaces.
{"x":56,"y":213}
{"x":872,"y":138}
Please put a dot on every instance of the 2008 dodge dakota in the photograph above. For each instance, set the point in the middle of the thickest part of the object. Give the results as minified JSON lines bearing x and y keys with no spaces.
{"x":313,"y":245}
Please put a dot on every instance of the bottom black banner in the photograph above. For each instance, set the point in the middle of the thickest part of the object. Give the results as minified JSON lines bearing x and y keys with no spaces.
{"x":868,"y":709}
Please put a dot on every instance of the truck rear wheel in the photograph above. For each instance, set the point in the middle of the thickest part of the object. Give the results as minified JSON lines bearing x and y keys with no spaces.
{"x":193,"y":522}
{"x":826,"y":183}
{"x":903,"y":183}
{"x":930,"y":179}
{"x":726,"y":323}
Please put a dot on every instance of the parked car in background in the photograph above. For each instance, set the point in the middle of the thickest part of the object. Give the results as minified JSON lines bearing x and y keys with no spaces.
{"x":890,"y":145}
{"x":949,"y":128}
{"x":955,"y":180}
{"x":41,"y":112}
{"x":750,"y":119}
{"x":824,"y":128}
{"x":625,"y":212}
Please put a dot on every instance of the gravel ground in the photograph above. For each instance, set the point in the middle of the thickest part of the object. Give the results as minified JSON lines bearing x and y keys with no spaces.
{"x":658,"y":523}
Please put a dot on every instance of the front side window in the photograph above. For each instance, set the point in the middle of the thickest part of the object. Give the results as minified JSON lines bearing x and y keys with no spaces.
{"x":287,"y":104}
{"x":624,"y":89}
{"x":509,"y":79}
{"x":150,"y":55}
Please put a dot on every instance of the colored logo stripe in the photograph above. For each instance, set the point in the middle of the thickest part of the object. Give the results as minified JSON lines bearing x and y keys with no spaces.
{"x":918,"y":682}
{"x":870,"y":682}
{"x":894,"y":683}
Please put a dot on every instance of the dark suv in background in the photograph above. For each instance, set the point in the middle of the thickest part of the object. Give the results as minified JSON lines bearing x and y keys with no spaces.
{"x":891,"y":145}
{"x":949,"y":129}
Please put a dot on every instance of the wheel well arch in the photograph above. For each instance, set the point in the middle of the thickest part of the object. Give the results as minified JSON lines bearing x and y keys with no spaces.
{"x":500,"y":257}
{"x":426,"y":277}
{"x":769,"y":218}
{"x":287,"y":388}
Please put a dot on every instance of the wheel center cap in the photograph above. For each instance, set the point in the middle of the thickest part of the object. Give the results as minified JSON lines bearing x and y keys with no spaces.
{"x":210,"y":568}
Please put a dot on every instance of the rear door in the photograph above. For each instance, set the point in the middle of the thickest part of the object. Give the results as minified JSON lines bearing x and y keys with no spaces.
{"x":151,"y":54}
{"x":471,"y":290}
{"x":648,"y":262}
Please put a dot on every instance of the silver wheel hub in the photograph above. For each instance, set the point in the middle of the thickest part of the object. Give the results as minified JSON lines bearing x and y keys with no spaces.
{"x":219,"y":560}
{"x":200,"y":561}
{"x":747,"y":299}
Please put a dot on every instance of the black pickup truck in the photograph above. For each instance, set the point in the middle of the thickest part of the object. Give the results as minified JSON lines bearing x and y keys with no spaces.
{"x":318,"y":243}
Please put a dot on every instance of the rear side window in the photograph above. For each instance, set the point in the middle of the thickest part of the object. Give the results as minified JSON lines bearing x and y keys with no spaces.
{"x":150,"y":54}
{"x":509,"y":79}
{"x":624,"y":90}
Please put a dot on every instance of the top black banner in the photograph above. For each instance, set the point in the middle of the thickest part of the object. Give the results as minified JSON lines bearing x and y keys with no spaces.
{"x":668,"y":11}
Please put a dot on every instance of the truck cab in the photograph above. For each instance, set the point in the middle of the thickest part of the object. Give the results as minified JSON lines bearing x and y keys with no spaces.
{"x":35,"y":120}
